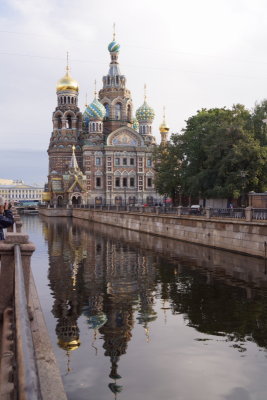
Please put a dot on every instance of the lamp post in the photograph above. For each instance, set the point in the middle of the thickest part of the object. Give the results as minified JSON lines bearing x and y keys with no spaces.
{"x":243,"y":175}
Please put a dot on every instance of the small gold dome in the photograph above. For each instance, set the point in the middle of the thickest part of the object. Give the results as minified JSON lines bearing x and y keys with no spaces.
{"x":69,"y":345}
{"x":67,"y":83}
{"x":164,"y":128}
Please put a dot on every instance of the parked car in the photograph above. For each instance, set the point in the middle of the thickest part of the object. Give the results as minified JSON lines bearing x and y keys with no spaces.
{"x":195,"y":209}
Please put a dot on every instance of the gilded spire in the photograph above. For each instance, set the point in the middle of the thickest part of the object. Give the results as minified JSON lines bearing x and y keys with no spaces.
{"x":164,"y":115}
{"x":114,"y":31}
{"x":164,"y":129}
{"x":145,"y":95}
{"x":67,"y":66}
{"x":95,"y":92}
{"x":67,"y":82}
{"x":86,"y":100}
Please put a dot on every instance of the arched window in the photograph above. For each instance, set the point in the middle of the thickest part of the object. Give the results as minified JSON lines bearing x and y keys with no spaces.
{"x":68,"y":122}
{"x":129,"y":113}
{"x":72,"y":100}
{"x":106,"y":105}
{"x":64,"y":100}
{"x":117,"y":80}
{"x":118,"y":108}
{"x":93,"y":126}
{"x":108,"y":80}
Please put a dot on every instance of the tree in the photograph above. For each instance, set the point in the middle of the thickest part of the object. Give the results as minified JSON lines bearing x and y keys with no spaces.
{"x":168,"y":167}
{"x":223,"y":158}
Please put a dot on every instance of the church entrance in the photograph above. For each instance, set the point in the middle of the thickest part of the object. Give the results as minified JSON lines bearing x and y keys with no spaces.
{"x":76,"y":200}
{"x":60,"y":201}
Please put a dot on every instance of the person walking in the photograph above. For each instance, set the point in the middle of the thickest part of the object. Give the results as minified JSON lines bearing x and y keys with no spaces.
{"x":6,"y":216}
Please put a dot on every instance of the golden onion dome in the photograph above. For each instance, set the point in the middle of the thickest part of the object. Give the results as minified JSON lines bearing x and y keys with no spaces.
{"x":164,"y":128}
{"x":69,"y":345}
{"x":67,"y":83}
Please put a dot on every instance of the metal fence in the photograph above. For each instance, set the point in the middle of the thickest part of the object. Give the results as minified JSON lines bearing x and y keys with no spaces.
{"x":238,"y":213}
{"x":259,"y":213}
{"x":218,"y":213}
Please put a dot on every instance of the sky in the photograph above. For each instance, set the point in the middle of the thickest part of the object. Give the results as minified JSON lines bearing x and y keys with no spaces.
{"x":191,"y":54}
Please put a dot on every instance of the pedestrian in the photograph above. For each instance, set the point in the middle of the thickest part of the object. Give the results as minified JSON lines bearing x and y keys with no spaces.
{"x":6,"y":216}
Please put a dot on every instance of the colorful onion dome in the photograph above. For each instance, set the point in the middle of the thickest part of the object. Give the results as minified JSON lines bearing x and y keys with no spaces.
{"x":113,"y":47}
{"x":67,"y":83}
{"x":145,"y":113}
{"x":135,"y":125}
{"x":95,"y":110}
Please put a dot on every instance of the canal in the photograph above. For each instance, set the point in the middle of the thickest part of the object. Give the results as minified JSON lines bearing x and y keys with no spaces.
{"x":132,"y":316}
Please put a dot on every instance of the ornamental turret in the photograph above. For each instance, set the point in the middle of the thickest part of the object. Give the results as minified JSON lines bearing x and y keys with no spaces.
{"x":114,"y":96}
{"x":164,"y":130}
{"x":93,"y":121}
{"x":93,"y":115}
{"x":145,"y":116}
{"x":67,"y":89}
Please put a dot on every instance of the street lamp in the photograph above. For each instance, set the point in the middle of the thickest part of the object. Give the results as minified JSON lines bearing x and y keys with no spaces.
{"x":165,"y":198}
{"x":243,"y":175}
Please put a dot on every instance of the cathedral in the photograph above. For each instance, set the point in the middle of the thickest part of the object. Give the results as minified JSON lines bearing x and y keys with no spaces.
{"x":102,"y":156}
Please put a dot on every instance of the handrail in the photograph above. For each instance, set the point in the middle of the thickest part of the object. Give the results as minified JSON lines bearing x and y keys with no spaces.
{"x":28,"y":383}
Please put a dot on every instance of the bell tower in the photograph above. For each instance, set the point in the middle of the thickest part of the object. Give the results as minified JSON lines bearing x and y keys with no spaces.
{"x":67,"y":123}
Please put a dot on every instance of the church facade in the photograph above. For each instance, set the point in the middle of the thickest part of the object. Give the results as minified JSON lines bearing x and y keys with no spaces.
{"x":104,"y":155}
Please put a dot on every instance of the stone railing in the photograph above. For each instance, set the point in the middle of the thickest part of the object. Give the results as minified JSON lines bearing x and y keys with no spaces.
{"x":28,"y":368}
{"x":247,"y":214}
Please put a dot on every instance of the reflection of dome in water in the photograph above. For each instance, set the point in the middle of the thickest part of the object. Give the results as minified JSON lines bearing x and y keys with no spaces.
{"x":69,"y":346}
{"x":144,"y":317}
{"x":115,"y":388}
{"x":68,"y":335}
{"x":96,"y":321}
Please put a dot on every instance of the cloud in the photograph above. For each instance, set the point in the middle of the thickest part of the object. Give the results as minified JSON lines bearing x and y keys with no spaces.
{"x":190,"y":54}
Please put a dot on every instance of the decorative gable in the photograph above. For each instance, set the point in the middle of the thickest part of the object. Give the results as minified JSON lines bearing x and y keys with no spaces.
{"x":125,"y":136}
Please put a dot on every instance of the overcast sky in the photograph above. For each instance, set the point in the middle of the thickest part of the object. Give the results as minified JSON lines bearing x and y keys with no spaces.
{"x":190,"y":53}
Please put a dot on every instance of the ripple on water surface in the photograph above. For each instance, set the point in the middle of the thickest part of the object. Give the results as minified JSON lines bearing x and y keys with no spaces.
{"x":133,"y":316}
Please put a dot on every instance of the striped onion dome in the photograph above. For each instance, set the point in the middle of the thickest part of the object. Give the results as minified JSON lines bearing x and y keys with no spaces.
{"x":113,"y":47}
{"x":135,"y":125}
{"x":95,"y":111}
{"x":145,"y":113}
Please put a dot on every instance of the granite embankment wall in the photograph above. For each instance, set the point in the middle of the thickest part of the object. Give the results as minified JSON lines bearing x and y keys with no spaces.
{"x":234,"y":235}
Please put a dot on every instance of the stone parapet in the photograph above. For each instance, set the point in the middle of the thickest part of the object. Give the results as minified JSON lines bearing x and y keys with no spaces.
{"x":242,"y":236}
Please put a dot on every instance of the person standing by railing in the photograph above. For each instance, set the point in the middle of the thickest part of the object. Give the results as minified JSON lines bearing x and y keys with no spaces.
{"x":6,"y":216}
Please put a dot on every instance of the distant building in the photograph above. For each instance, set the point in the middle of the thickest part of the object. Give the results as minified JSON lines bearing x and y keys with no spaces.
{"x":20,"y":191}
{"x":10,"y":182}
{"x":103,"y":155}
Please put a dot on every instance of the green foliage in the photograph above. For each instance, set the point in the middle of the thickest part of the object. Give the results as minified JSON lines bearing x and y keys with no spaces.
{"x":221,"y":153}
{"x":167,"y":161}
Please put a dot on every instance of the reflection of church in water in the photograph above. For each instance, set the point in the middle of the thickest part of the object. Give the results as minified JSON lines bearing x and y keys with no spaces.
{"x":104,"y":280}
{"x":103,"y":156}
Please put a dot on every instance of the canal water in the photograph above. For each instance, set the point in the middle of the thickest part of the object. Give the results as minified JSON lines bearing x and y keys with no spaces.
{"x":132,"y":316}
